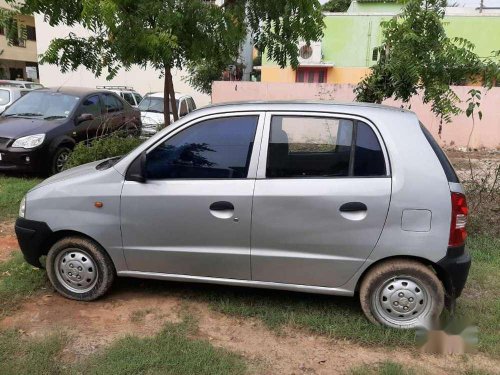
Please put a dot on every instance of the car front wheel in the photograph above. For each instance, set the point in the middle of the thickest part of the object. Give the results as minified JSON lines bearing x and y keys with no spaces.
{"x":402,"y":294}
{"x":59,"y":160}
{"x":79,"y":269}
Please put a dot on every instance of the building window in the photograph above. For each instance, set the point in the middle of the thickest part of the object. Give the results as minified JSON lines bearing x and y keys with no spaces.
{"x":375,"y":54}
{"x":311,"y":75}
{"x":31,"y":33}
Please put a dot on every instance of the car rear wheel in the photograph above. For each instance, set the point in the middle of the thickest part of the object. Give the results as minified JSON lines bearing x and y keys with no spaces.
{"x":402,"y":294}
{"x":79,"y":269}
{"x":59,"y":159}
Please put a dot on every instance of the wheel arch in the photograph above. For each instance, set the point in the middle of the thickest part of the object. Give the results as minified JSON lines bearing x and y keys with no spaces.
{"x":440,"y":273}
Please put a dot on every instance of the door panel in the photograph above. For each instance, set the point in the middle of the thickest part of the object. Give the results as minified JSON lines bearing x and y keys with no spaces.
{"x":168,"y":227}
{"x":88,"y":130}
{"x":299,"y":235}
{"x":318,"y":211}
{"x":193,"y":215}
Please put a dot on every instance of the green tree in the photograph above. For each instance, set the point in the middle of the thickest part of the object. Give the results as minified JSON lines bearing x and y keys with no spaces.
{"x":417,"y":56}
{"x":167,"y":34}
{"x":340,"y":6}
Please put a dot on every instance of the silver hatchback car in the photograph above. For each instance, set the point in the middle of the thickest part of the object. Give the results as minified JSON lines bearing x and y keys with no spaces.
{"x":341,"y":199}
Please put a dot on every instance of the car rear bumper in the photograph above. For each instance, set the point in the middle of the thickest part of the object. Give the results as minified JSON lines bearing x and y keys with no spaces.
{"x":454,"y":270}
{"x":32,"y":235}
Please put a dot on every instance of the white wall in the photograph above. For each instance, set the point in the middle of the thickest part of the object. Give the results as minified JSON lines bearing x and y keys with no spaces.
{"x":143,"y":81}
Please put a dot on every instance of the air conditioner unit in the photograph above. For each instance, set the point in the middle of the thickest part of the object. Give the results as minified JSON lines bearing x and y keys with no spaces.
{"x":311,"y":54}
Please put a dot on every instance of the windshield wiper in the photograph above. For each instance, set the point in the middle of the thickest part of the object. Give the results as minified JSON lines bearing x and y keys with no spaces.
{"x":54,"y":117}
{"x":151,"y":110}
{"x":24,"y":114}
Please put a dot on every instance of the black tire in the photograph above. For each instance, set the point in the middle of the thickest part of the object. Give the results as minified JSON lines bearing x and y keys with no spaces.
{"x":62,"y":153}
{"x":93,"y":255}
{"x":415,"y":288}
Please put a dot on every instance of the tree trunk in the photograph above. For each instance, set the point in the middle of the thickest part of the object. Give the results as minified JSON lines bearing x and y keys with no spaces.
{"x":166,"y":94}
{"x":173,"y":103}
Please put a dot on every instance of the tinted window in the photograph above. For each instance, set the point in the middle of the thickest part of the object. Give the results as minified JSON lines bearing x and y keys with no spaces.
{"x":129,"y":98}
{"x":112,"y":104}
{"x":369,"y":158}
{"x":91,"y":105}
{"x":445,"y":163}
{"x":138,"y":98}
{"x":218,"y":148}
{"x":309,"y":147}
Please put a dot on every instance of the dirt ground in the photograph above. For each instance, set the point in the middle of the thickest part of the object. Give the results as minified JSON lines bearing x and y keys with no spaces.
{"x":131,"y":309}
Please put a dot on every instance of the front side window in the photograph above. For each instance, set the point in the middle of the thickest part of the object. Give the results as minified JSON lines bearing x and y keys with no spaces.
{"x":129,"y":98}
{"x":309,"y":147}
{"x":137,"y":97}
{"x":91,"y":105}
{"x":212,"y":149}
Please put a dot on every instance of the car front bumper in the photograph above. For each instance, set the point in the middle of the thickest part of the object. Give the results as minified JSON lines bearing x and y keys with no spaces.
{"x":22,"y":160}
{"x":32,"y":237}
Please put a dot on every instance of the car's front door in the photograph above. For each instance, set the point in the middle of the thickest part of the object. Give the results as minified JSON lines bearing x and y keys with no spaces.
{"x":192,"y":216}
{"x":88,"y":129}
{"x":321,"y":198}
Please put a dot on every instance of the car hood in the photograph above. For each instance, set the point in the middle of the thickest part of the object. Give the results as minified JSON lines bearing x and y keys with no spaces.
{"x":70,"y":173}
{"x":15,"y":127}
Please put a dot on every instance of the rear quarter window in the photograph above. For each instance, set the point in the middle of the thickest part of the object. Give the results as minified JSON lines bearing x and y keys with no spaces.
{"x":445,"y":163}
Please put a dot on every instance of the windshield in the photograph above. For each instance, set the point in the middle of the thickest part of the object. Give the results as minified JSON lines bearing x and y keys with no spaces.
{"x":43,"y":104}
{"x":4,"y":97}
{"x":153,"y":104}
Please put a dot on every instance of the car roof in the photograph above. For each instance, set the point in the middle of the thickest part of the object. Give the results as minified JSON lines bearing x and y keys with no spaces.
{"x":76,"y":91}
{"x":178,"y":95}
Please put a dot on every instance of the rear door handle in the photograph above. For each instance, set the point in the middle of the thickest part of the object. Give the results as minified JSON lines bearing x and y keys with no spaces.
{"x":353,"y":207}
{"x":222,"y":206}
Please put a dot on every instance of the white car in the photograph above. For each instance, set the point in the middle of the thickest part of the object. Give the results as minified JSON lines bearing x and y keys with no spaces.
{"x":21,"y":84}
{"x":9,"y":95}
{"x":152,"y":111}
{"x":131,"y":96}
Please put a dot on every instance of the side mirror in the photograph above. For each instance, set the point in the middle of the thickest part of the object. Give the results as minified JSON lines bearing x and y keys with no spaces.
{"x":84,"y":117}
{"x":137,"y":170}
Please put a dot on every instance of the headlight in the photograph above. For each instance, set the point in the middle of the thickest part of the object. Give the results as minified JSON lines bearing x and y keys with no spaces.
{"x":22,"y":207}
{"x":31,"y":141}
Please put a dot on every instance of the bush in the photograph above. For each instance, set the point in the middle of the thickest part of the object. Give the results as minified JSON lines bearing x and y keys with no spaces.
{"x":101,"y":149}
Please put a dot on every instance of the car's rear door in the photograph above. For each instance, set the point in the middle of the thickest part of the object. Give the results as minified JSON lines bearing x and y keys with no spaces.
{"x":321,"y":198}
{"x":193,"y":214}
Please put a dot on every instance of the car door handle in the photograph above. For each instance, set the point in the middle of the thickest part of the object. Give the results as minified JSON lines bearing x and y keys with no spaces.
{"x":222,"y":206}
{"x":353,"y":207}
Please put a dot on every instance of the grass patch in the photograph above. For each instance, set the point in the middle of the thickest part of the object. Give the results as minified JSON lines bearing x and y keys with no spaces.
{"x":169,"y":352}
{"x":384,"y":368}
{"x":12,"y":190}
{"x":19,"y":355}
{"x":18,"y":280}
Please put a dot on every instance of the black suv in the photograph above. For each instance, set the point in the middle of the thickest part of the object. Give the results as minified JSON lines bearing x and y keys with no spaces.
{"x":38,"y":131}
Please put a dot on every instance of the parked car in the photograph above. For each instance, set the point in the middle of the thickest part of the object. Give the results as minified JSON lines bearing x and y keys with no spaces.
{"x":128,"y":93}
{"x":152,"y":110}
{"x":9,"y":95}
{"x":21,"y":84}
{"x":310,"y":197}
{"x":38,"y":132}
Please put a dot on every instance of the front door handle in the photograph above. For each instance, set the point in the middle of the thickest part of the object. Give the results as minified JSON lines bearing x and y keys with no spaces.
{"x":222,"y":206}
{"x":353,"y":207}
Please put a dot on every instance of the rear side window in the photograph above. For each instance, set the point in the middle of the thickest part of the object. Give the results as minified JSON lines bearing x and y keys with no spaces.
{"x":445,"y":163}
{"x":129,"y":98}
{"x":112,"y":104}
{"x":302,"y":147}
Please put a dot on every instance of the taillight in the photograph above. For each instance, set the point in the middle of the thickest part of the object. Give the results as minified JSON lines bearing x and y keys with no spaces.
{"x":459,"y":212}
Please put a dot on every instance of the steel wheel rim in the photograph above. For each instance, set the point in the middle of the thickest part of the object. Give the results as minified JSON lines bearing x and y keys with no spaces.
{"x":61,"y":160}
{"x":76,"y":270}
{"x":402,"y":302}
